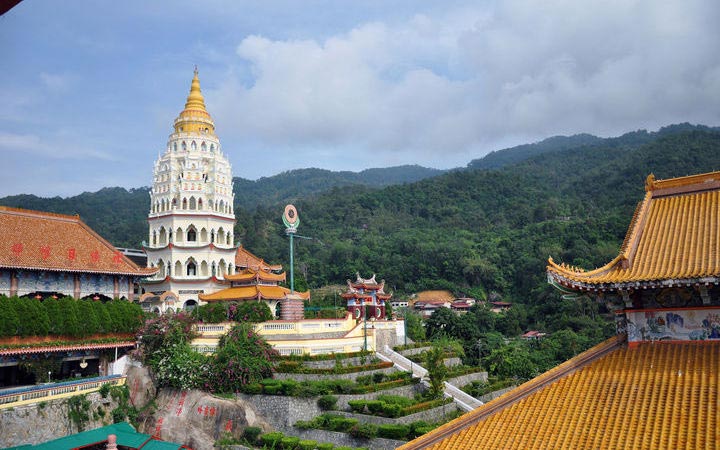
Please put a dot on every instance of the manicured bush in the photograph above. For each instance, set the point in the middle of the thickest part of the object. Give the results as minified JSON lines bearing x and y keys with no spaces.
{"x":363,"y":379}
{"x":327,"y":402}
{"x":273,"y":389}
{"x":307,"y":445}
{"x":396,"y":400}
{"x":375,"y":406}
{"x":378,"y":377}
{"x":251,"y":434}
{"x":357,"y":406}
{"x":290,"y":442}
{"x":342,"y":424}
{"x":393,"y":431}
{"x":390,"y":410}
{"x":343,"y":447}
{"x":253,"y":388}
{"x":364,"y":431}
{"x":325,"y":446}
{"x":272,"y":439}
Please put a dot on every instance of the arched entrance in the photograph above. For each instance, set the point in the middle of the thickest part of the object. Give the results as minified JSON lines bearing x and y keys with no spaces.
{"x":189,"y":305}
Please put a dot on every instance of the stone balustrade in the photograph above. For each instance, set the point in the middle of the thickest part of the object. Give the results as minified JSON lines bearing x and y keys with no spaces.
{"x":10,"y":398}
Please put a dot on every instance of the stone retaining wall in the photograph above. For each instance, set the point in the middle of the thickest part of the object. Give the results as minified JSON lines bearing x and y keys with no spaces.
{"x":467,"y":379}
{"x":495,"y":394}
{"x":430,"y":415}
{"x":340,"y":439}
{"x":414,"y":351}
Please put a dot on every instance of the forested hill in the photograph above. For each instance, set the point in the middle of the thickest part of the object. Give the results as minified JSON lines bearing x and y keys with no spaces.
{"x":509,"y":156}
{"x":482,"y":231}
{"x":288,"y":186}
{"x":120,"y":215}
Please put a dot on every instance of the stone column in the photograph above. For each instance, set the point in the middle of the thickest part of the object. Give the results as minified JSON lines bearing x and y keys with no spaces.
{"x":76,"y":286}
{"x":13,"y":283}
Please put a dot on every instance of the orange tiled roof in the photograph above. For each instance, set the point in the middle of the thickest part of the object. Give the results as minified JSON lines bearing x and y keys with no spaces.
{"x":674,"y":234}
{"x":427,"y":296}
{"x":258,"y":292}
{"x":47,"y":241}
{"x":653,"y":396}
{"x":252,"y":275}
{"x":245,"y":259}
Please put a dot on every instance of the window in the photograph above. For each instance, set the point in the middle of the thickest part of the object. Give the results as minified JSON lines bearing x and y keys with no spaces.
{"x":191,"y":235}
{"x":191,"y":269}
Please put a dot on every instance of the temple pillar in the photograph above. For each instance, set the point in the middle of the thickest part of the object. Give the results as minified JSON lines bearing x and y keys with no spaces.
{"x":116,"y":287}
{"x":76,"y":286}
{"x":13,"y":283}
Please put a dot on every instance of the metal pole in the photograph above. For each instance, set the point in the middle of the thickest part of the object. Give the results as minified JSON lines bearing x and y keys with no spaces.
{"x":292,"y":267}
{"x":365,"y":325}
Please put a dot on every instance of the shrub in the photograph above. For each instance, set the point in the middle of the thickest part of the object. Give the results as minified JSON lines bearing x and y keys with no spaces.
{"x":290,"y":442}
{"x":357,"y":406}
{"x":253,"y":388}
{"x":375,"y":406}
{"x":393,"y":431}
{"x":325,"y":446}
{"x":343,"y":447}
{"x":342,"y":424}
{"x":364,"y":379}
{"x":395,"y":400}
{"x":364,"y":431}
{"x":378,"y":377}
{"x":273,"y":389}
{"x":307,"y":445}
{"x":251,"y":434}
{"x":327,"y":402}
{"x":391,"y":410}
{"x":104,"y":389}
{"x":272,"y":439}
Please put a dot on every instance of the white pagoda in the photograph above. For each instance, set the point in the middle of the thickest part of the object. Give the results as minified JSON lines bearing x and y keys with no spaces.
{"x":191,"y":218}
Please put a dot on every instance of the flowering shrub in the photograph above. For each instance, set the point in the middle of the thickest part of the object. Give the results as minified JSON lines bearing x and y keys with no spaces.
{"x":243,"y":357}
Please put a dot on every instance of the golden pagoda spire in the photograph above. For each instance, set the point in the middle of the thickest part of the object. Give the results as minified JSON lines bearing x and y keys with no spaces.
{"x":195,"y":99}
{"x":195,"y":118}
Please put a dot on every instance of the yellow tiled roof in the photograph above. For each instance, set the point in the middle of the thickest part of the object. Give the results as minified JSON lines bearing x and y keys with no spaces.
{"x":252,"y":292}
{"x":674,"y":234}
{"x":441,"y":295}
{"x":652,"y":396}
{"x":250,"y":275}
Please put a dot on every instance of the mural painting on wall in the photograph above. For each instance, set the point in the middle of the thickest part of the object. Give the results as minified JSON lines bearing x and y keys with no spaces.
{"x":676,"y":325}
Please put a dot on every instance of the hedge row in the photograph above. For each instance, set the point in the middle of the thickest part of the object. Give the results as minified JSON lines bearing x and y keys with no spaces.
{"x":385,"y":407}
{"x":67,"y":317}
{"x":325,"y":356}
{"x":297,"y":367}
{"x":334,"y":422}
{"x":293,"y":388}
{"x":278,"y":441}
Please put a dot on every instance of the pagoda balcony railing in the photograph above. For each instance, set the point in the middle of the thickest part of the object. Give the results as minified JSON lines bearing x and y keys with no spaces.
{"x":10,"y":398}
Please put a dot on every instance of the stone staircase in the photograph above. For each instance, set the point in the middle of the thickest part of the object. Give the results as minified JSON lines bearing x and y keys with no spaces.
{"x":465,"y":401}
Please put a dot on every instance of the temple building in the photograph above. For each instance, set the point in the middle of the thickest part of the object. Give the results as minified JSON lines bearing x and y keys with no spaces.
{"x":191,"y":219}
{"x":47,"y":254}
{"x":366,"y":297}
{"x":655,"y":384}
{"x":259,"y":281}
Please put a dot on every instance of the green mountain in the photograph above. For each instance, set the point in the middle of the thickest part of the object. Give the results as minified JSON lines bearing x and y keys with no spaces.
{"x":289,"y":186}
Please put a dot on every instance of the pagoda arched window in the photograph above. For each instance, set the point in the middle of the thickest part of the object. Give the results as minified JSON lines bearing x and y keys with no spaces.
{"x":193,"y":146}
{"x":184,"y":203}
{"x":184,"y":146}
{"x":191,"y":268}
{"x":191,"y":235}
{"x":222,"y":268}
{"x":230,"y":269}
{"x":228,"y":239}
{"x":162,"y":238}
{"x":221,"y":236}
{"x":222,"y":206}
{"x":154,"y":238}
{"x":169,"y":268}
{"x":161,"y":269}
{"x":212,"y":148}
{"x":203,"y":146}
{"x":212,"y":236}
{"x":193,"y":203}
{"x":204,"y":269}
{"x":174,"y":203}
{"x":203,"y":235}
{"x":200,"y":203}
{"x":179,"y":235}
{"x":178,"y":269}
{"x":213,"y":268}
{"x":175,"y":146}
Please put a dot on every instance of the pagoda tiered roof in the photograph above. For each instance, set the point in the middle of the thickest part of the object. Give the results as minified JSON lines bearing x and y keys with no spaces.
{"x":35,"y":240}
{"x":250,"y":275}
{"x":360,"y":287}
{"x":244,"y":259}
{"x":673,"y":239}
{"x":254,"y":292}
{"x":652,"y":396}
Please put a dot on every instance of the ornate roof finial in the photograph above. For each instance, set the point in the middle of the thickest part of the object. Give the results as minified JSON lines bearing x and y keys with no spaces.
{"x":650,"y":183}
{"x":195,"y":100}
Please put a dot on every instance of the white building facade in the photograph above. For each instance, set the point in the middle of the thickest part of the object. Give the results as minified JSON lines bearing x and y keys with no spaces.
{"x":191,"y":220}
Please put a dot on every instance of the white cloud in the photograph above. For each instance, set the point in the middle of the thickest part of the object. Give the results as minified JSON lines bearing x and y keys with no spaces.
{"x":442,"y":89}
{"x":35,"y":145}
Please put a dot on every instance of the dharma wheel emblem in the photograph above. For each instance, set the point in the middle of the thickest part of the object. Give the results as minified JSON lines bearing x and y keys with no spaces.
{"x":291,"y":219}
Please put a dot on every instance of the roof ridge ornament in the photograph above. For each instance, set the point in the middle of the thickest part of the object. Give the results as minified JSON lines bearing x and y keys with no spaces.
{"x":650,"y":183}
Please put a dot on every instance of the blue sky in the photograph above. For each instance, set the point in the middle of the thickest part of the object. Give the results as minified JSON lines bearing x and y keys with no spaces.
{"x":90,"y":88}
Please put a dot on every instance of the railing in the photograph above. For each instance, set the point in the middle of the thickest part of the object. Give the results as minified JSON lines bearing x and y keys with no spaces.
{"x":33,"y":394}
{"x":213,"y":328}
{"x":464,"y":400}
{"x":404,"y":363}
